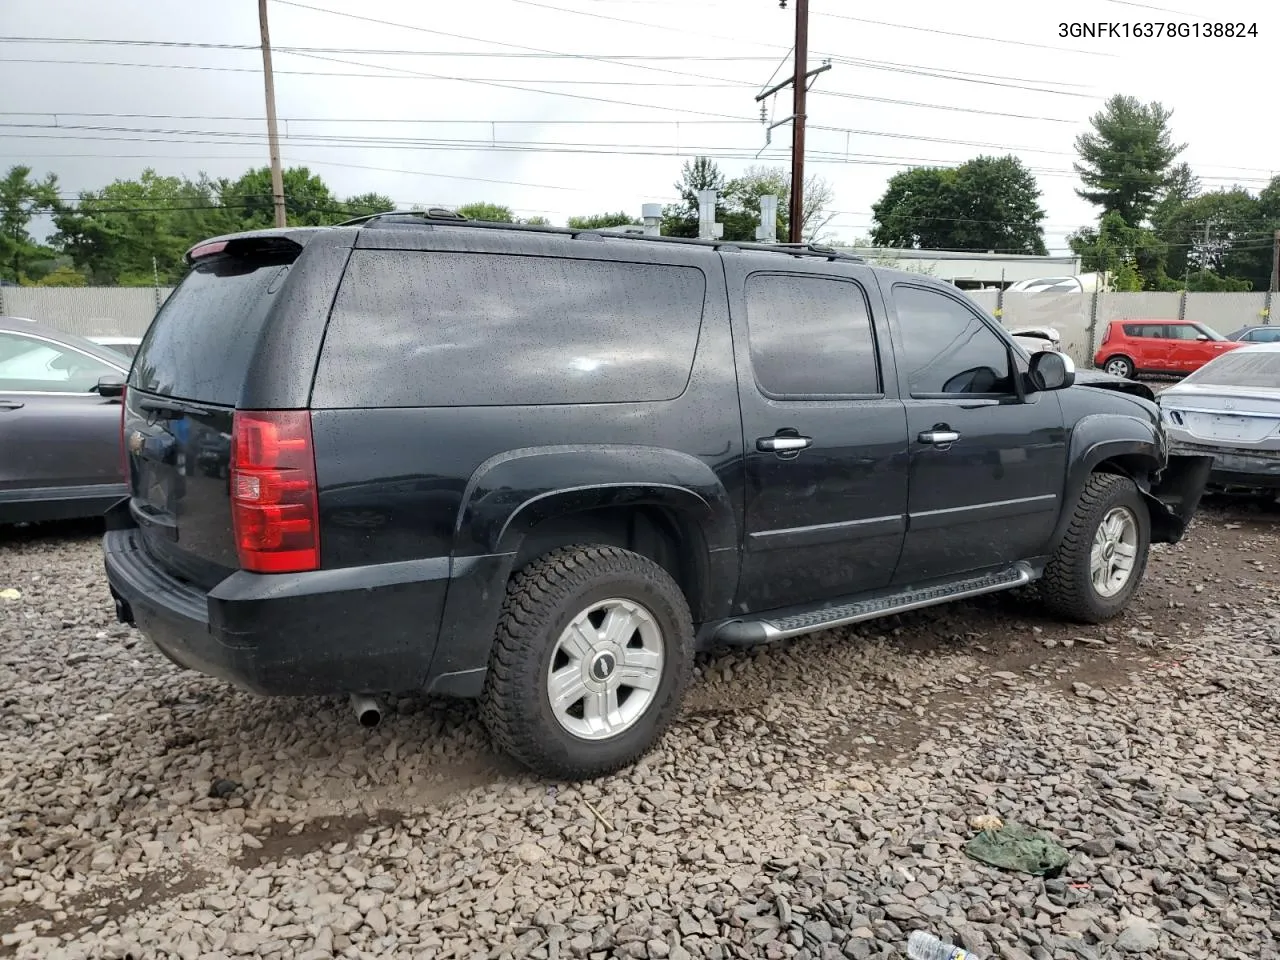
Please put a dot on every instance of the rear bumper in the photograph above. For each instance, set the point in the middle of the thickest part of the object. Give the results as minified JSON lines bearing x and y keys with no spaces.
{"x":373,"y":629}
{"x":1235,"y":468}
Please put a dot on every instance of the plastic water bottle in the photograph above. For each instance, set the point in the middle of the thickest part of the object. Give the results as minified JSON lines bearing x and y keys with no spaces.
{"x":925,"y":946}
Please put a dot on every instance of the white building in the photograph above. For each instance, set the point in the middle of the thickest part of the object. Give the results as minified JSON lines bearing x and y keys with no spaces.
{"x":973,"y":271}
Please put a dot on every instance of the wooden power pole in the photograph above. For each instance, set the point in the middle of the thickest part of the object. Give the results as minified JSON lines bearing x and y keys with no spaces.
{"x":1275,"y":263}
{"x":273,"y":138}
{"x":800,"y":82}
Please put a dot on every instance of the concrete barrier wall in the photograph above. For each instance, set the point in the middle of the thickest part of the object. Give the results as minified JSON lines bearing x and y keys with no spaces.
{"x":86,"y":311}
{"x":1079,"y":320}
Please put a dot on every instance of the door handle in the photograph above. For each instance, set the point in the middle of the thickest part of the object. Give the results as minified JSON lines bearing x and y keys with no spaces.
{"x":11,"y":404}
{"x":783,"y":444}
{"x":939,"y":438}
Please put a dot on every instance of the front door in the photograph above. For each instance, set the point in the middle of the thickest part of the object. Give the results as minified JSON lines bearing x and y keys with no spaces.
{"x":825,"y":433}
{"x":1192,"y":346}
{"x":987,"y":467}
{"x":57,"y":434}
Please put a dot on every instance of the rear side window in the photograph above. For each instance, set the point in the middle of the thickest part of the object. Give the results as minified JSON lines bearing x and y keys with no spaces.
{"x":201,"y":342}
{"x":810,"y":337}
{"x":1145,"y":331}
{"x":458,"y":329}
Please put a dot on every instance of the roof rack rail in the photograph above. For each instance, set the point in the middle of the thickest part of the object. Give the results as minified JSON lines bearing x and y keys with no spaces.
{"x":450,"y":218}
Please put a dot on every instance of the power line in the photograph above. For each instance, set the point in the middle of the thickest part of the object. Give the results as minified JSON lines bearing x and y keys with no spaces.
{"x":385,"y":76}
{"x":965,"y":36}
{"x":548,"y":147}
{"x":490,"y":123}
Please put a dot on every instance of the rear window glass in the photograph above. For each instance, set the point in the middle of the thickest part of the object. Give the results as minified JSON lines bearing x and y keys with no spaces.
{"x":1240,"y":368}
{"x":201,"y":342}
{"x":457,"y":329}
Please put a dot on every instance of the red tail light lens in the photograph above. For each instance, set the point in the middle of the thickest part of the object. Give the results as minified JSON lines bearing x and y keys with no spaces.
{"x":1106,"y":334}
{"x":274,"y":503}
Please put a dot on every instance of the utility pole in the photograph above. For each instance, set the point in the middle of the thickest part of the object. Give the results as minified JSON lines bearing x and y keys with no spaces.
{"x":273,"y":140}
{"x":1275,"y":263}
{"x":801,"y":84}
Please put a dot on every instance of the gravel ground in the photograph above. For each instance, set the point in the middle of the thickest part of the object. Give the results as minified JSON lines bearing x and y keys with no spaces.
{"x":812,"y":802}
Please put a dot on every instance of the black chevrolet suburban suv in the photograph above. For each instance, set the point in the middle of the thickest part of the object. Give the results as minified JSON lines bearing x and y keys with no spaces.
{"x":544,"y":467}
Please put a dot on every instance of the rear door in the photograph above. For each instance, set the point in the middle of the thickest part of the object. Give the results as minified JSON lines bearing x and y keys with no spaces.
{"x":825,"y":435}
{"x":186,"y":381}
{"x":1150,"y":345}
{"x":60,"y":438}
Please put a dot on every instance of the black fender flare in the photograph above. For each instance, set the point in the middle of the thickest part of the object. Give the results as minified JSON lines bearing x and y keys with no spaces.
{"x":1137,"y":448}
{"x":510,"y":494}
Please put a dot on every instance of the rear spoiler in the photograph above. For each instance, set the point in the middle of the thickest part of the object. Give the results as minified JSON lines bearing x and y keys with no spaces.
{"x":282,"y":242}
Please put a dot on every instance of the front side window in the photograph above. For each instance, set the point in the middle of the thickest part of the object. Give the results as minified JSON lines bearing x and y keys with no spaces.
{"x":810,"y":337}
{"x":30,"y":365}
{"x":947,"y":348}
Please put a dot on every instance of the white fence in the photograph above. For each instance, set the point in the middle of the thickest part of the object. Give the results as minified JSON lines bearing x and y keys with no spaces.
{"x":1079,"y":318}
{"x":86,"y":311}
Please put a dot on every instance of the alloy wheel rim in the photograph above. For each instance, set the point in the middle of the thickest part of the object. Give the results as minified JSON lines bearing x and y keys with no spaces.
{"x":1118,"y":368}
{"x":1114,"y":553}
{"x":605,"y":669}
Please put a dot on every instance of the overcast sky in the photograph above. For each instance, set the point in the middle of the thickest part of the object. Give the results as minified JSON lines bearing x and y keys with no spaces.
{"x":471,"y":107}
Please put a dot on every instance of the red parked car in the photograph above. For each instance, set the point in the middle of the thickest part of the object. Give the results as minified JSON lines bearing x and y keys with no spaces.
{"x":1130,"y":347}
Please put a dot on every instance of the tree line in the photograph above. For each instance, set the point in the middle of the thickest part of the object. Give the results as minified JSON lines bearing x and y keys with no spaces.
{"x":135,"y":232}
{"x":1156,"y":228}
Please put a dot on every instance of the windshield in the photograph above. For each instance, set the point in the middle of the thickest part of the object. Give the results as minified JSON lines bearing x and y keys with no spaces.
{"x":1210,"y":333}
{"x":1240,"y":368}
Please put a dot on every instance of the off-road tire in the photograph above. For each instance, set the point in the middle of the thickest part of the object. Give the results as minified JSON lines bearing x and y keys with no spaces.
{"x":1122,"y":358}
{"x":541,"y":600}
{"x":1067,"y":587}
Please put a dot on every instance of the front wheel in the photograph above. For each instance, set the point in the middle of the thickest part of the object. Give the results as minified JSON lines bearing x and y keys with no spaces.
{"x":1097,"y":568}
{"x":590,"y":664}
{"x":1119,"y":367}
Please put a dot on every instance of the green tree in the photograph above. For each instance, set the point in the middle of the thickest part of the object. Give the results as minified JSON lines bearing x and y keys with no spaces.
{"x":309,"y":202}
{"x":738,"y":201}
{"x":21,"y":199}
{"x":1219,"y":232}
{"x":987,"y":203}
{"x":492,"y":212}
{"x":1131,"y":256}
{"x":133,"y":230}
{"x":681,"y":219}
{"x":364,"y":204}
{"x":1125,"y":162}
{"x":63,"y":276}
{"x":599,"y":221}
{"x":535,"y":221}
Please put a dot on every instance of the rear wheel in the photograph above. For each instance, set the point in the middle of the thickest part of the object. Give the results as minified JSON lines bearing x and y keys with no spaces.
{"x":592,"y":657}
{"x":1119,"y":366}
{"x":1099,"y":564}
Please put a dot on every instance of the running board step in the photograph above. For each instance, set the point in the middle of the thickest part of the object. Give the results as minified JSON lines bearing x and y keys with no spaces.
{"x":747,"y":633}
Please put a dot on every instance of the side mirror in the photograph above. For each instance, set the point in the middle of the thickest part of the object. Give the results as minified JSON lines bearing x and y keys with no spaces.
{"x":1051,"y":370}
{"x":112,"y":385}
{"x":1202,"y":337}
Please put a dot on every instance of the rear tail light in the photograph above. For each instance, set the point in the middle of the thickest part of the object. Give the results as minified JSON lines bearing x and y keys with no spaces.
{"x":274,"y":497}
{"x":1106,"y":334}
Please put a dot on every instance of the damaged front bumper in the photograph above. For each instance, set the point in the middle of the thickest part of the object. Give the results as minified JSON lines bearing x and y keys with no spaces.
{"x":1175,"y":494}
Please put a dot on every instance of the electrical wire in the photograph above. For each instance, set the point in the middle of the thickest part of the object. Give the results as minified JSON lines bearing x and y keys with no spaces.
{"x":965,"y":36}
